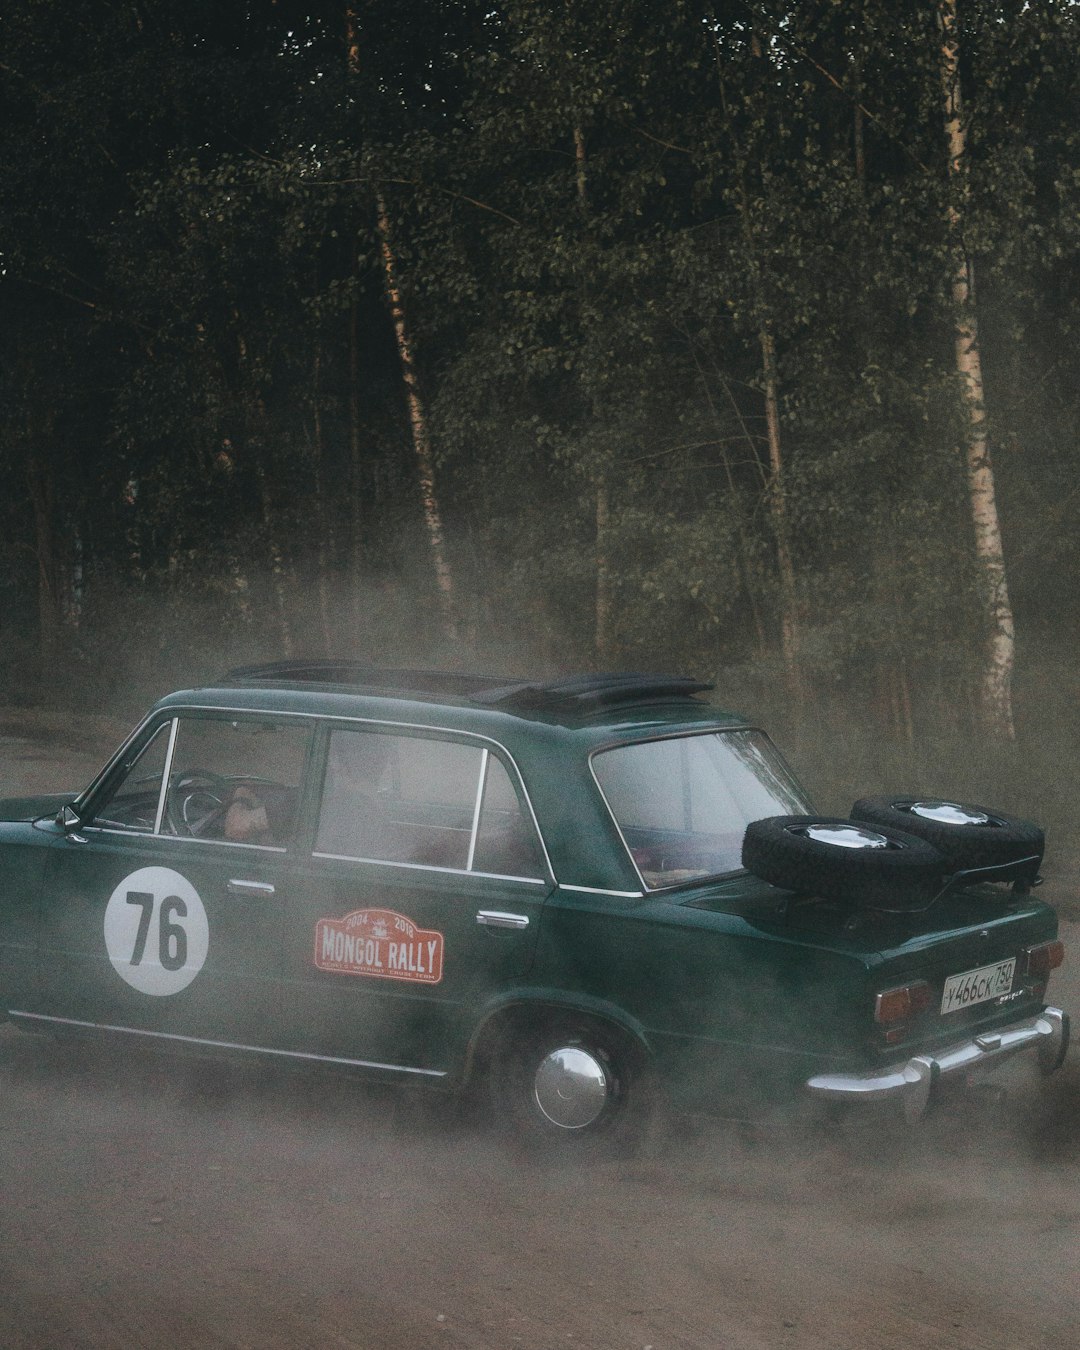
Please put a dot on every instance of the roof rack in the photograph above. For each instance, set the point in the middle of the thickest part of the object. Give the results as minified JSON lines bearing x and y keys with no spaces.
{"x":357,"y":673}
{"x":581,"y":692}
{"x":590,"y":691}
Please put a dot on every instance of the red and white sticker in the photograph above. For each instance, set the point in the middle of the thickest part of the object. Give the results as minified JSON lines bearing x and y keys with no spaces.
{"x":380,"y":943}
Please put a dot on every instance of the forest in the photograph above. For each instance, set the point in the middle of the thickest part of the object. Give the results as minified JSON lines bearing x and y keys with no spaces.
{"x":737,"y":340}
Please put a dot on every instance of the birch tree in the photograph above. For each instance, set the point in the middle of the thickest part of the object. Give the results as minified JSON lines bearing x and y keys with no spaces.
{"x":996,"y":686}
{"x":418,"y":422}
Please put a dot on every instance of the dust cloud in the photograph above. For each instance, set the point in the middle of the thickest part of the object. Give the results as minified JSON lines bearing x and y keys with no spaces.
{"x":155,"y":1203}
{"x":146,"y":642}
{"x":152,"y":1203}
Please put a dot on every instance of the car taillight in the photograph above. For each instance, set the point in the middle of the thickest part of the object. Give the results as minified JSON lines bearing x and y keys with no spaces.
{"x":1040,"y":961}
{"x":894,"y":1009}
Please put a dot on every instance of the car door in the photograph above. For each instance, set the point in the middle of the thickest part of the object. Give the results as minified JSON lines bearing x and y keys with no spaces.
{"x":162,"y":913}
{"x":419,"y":901}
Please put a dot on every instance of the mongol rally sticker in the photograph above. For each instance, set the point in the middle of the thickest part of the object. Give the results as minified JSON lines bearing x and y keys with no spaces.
{"x":381,"y":943}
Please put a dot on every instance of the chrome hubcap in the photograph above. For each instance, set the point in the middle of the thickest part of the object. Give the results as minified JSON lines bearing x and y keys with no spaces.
{"x":571,"y":1087}
{"x":844,"y":836}
{"x":949,"y":813}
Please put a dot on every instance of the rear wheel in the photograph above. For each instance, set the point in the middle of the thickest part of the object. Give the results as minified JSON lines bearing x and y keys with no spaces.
{"x":570,"y":1086}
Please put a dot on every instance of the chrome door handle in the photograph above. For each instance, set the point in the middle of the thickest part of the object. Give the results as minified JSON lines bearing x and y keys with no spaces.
{"x":262,"y":889}
{"x":494,"y":918}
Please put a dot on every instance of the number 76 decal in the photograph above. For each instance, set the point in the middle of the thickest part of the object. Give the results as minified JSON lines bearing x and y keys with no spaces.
{"x":156,"y":931}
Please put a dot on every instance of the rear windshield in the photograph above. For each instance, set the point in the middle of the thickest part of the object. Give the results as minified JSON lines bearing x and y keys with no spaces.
{"x":683,"y":804}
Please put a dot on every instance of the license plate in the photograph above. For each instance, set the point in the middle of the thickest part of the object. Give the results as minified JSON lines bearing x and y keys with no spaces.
{"x":977,"y":986}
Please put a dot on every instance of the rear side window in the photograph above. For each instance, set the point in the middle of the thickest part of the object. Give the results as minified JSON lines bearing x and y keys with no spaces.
{"x":424,"y":801}
{"x":683,"y":804}
{"x":505,"y":842}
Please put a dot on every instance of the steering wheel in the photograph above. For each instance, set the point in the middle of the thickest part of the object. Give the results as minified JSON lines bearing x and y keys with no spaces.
{"x":197,"y":799}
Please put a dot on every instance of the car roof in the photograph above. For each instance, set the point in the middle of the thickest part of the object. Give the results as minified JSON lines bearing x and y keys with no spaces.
{"x":606,"y":704}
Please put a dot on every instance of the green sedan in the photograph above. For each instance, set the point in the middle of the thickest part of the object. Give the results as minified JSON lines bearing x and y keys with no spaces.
{"x":576,"y":893}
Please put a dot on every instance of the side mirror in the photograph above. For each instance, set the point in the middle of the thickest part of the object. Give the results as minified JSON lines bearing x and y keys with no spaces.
{"x":68,"y":820}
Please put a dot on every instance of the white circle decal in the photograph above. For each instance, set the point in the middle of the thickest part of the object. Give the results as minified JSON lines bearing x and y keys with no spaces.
{"x":156,"y":931}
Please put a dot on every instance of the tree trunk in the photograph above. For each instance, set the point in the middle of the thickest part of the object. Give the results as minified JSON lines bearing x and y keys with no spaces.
{"x":789,"y":631}
{"x":602,"y":635}
{"x":42,"y":497}
{"x":418,"y":426}
{"x":744,"y":551}
{"x":325,"y":546}
{"x":256,"y":440}
{"x":603,"y":575}
{"x":857,"y":130}
{"x":580,"y":169}
{"x":355,"y":520}
{"x":278,"y":578}
{"x":417,"y":419}
{"x":996,"y":687}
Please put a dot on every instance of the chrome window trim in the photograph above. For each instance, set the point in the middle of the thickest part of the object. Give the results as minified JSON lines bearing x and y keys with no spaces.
{"x":226,"y":1045}
{"x":118,"y":756}
{"x":186,"y":839}
{"x":166,"y":776}
{"x":485,"y":755}
{"x":602,"y":890}
{"x":329,"y":719}
{"x":429,"y":867}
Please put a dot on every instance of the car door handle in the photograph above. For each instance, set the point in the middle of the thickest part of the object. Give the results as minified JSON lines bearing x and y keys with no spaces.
{"x":262,"y":889}
{"x":494,"y":918}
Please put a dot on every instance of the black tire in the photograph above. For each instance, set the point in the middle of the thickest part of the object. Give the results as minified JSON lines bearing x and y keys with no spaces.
{"x":905,"y":873}
{"x":524,"y":1087}
{"x":997,"y":843}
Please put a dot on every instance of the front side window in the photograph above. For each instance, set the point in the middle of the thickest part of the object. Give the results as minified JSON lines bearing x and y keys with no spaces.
{"x":230,"y":781}
{"x":683,"y":804}
{"x":133,"y":802}
{"x":235,"y":781}
{"x":425,"y":801}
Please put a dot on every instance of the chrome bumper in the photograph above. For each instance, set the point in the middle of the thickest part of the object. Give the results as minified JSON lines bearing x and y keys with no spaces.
{"x":911,"y":1083}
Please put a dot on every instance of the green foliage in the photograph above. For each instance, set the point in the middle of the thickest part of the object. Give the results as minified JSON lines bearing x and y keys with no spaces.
{"x":597,"y":221}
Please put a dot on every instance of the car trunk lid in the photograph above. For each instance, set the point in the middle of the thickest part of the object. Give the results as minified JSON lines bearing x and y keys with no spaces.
{"x":978,"y":928}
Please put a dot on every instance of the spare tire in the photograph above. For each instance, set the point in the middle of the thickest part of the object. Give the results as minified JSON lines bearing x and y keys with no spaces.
{"x":967,"y":836}
{"x":838,"y":859}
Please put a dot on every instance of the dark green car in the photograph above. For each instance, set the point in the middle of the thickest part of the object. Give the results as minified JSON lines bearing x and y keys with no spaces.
{"x":438,"y":877}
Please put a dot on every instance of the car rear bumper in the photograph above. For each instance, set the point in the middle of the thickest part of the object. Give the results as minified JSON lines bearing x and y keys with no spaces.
{"x":911,"y":1083}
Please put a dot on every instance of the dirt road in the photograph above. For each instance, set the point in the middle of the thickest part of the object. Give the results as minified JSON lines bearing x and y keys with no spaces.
{"x":153,"y":1204}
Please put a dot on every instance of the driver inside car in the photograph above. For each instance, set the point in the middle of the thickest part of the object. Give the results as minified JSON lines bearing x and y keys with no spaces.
{"x":246,"y":820}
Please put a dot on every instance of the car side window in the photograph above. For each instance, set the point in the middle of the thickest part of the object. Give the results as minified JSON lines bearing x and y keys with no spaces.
{"x":133,"y":802}
{"x":235,"y":781}
{"x":361,"y":781}
{"x":683,"y":802}
{"x":424,"y":801}
{"x":231,"y":781}
{"x":506,"y":842}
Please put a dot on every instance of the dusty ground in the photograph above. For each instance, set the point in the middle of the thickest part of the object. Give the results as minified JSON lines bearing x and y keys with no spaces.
{"x":150,"y":1204}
